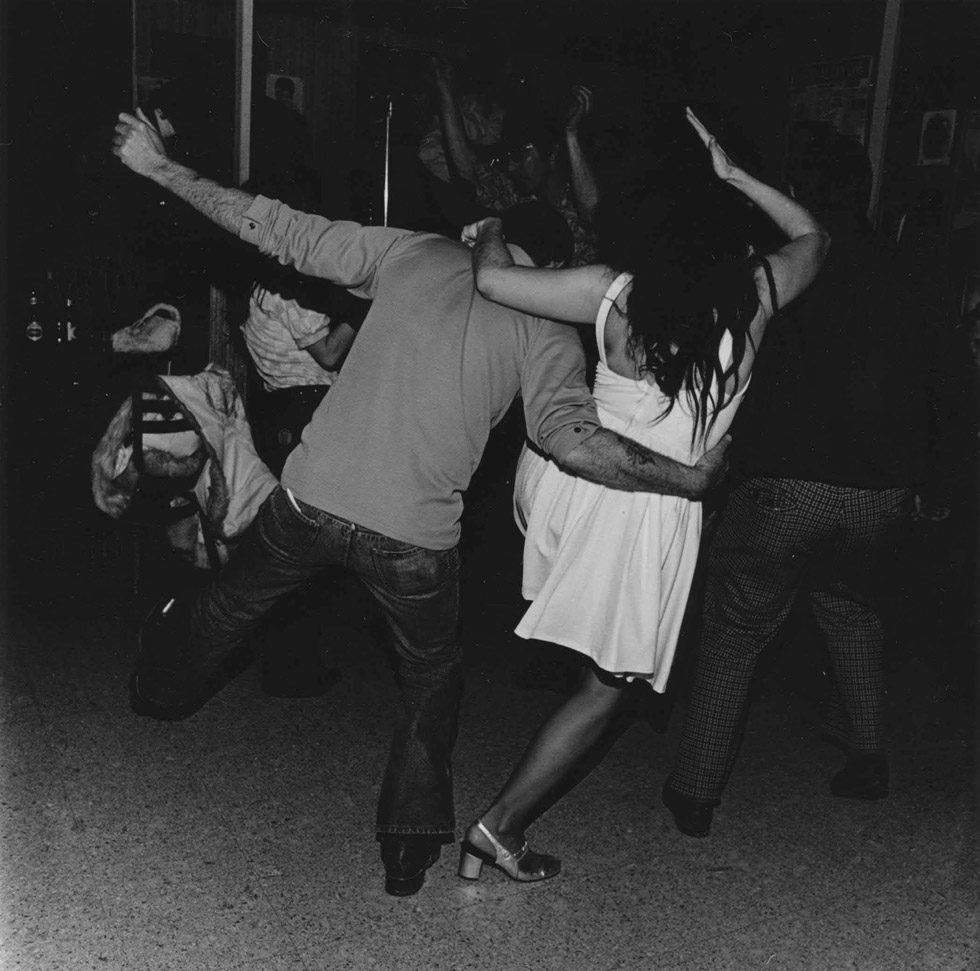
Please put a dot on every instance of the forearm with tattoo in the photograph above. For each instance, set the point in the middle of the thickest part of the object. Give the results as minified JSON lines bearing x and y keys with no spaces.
{"x":618,"y":462}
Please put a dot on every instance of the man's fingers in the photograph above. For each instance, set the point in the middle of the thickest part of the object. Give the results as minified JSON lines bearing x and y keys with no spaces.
{"x":717,"y":454}
{"x":142,"y":117}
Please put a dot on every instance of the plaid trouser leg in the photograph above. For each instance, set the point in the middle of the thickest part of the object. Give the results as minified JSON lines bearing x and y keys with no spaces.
{"x":777,"y":535}
{"x":844,"y":608}
{"x":755,"y":567}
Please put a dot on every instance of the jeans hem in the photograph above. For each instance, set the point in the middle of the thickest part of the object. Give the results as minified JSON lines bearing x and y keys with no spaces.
{"x":449,"y":834}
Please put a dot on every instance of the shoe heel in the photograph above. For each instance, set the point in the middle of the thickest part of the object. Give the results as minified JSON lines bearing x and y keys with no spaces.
{"x":470,"y":864}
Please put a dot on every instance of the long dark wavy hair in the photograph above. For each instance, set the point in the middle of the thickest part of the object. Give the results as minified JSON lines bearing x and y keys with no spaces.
{"x":693,"y":279}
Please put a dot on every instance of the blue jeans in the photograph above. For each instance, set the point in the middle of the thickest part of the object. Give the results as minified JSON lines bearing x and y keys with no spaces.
{"x":418,"y":590}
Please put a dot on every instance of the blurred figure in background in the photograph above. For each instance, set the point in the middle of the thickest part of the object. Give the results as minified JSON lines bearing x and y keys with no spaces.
{"x":497,"y":157}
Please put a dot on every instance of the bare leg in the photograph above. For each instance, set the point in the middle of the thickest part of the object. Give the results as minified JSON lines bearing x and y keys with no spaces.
{"x":554,"y":751}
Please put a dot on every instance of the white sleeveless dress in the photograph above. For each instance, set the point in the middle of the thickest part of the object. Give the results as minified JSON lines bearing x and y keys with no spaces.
{"x":608,"y":572}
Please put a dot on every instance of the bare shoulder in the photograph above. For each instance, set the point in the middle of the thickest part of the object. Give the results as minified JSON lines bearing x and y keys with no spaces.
{"x":617,"y":337}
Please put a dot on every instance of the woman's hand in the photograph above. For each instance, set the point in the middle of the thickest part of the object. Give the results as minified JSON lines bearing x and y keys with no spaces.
{"x":724,"y":167}
{"x":473,"y":231}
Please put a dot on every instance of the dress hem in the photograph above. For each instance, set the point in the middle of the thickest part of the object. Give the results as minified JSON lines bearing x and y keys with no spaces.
{"x":656,"y":682}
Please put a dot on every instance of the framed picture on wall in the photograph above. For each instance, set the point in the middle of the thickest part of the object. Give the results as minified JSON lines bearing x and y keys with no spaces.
{"x":936,"y":137}
{"x":285,"y":89}
{"x":838,"y":92}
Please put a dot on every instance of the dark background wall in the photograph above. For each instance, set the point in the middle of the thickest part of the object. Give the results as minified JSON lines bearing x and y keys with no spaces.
{"x":116,"y":245}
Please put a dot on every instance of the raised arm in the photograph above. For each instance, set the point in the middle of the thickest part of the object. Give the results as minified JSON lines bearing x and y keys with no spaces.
{"x":584,"y":188}
{"x":457,"y":144}
{"x":572,"y":295}
{"x":343,"y":252}
{"x":795,"y":264}
{"x":140,"y":148}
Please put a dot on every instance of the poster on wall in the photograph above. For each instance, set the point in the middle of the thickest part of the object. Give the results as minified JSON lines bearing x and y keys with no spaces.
{"x":936,"y":137}
{"x":967,"y":208}
{"x":837,"y":92}
{"x":285,"y":89}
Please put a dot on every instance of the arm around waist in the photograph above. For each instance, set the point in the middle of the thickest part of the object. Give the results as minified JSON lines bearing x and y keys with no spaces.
{"x":617,"y":462}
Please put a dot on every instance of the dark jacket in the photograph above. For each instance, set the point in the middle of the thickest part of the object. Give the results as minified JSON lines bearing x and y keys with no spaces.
{"x":838,"y":392}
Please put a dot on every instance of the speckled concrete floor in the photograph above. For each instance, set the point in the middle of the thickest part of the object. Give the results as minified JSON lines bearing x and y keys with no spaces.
{"x":242,"y":838}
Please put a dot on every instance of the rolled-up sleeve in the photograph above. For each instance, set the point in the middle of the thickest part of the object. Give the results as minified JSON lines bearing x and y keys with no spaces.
{"x":305,"y":326}
{"x":346,"y":253}
{"x":559,"y":411}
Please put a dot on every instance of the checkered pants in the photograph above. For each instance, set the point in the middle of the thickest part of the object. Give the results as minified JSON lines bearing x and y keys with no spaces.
{"x":778,"y":537}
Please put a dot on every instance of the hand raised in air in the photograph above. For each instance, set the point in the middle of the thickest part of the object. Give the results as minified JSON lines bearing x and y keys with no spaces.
{"x":724,"y":167}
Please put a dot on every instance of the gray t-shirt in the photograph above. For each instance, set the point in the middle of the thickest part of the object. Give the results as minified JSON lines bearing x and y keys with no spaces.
{"x":394,"y":444}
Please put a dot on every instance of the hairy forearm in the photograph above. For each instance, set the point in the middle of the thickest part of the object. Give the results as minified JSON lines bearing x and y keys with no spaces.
{"x":223,"y":205}
{"x":618,"y":462}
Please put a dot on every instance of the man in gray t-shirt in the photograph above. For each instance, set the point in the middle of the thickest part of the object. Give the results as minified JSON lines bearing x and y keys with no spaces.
{"x":376,"y":484}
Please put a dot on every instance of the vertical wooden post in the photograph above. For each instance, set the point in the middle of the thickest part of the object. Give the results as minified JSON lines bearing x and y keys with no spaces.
{"x":881,"y":109}
{"x":243,"y":88}
{"x":223,"y":347}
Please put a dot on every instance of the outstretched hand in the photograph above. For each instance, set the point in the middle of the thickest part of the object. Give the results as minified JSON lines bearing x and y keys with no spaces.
{"x":724,"y":167}
{"x":138,"y":144}
{"x":581,"y":106}
{"x":473,"y":231}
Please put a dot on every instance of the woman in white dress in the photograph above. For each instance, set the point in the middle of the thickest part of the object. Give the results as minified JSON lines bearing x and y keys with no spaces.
{"x":608,"y":572}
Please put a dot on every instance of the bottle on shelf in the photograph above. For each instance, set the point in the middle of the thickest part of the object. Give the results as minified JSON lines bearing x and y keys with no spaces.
{"x":34,"y":330}
{"x":71,"y":334}
{"x":72,"y":347}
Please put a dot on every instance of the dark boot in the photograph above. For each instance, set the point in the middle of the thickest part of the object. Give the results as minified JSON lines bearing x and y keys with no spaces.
{"x":864,"y":776}
{"x":406,"y":858}
{"x":692,"y":816}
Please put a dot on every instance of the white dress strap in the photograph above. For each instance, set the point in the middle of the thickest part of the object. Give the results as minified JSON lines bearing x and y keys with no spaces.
{"x":615,"y":289}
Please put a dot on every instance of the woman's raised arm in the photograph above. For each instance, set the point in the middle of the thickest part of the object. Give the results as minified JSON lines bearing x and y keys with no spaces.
{"x":571,"y":296}
{"x":796,"y":263}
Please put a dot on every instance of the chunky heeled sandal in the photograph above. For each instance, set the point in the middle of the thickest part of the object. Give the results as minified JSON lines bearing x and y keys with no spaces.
{"x":525,"y":865}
